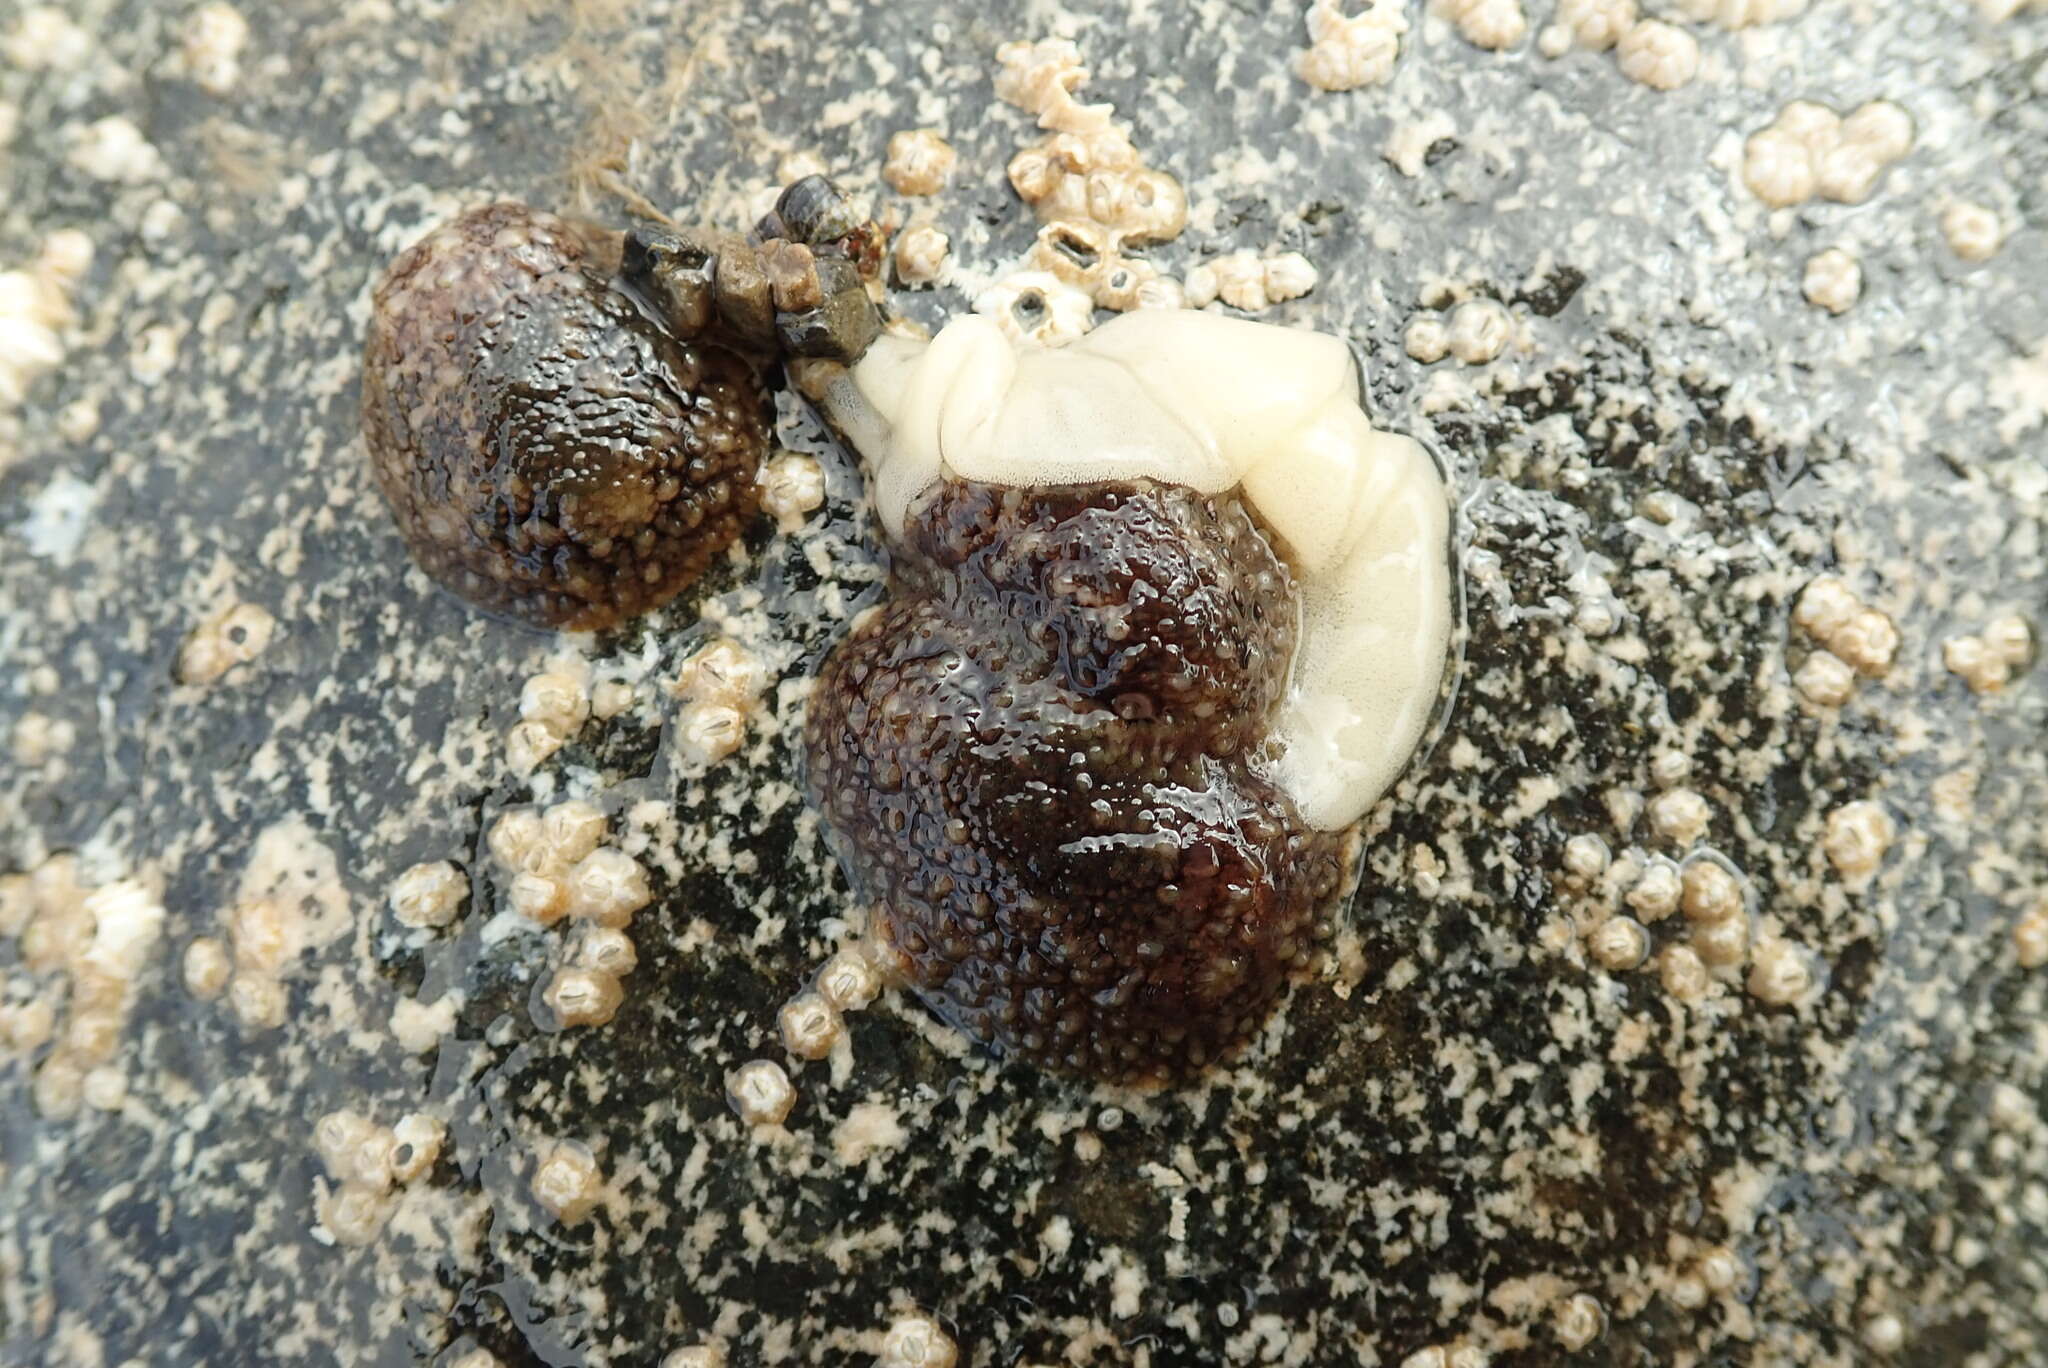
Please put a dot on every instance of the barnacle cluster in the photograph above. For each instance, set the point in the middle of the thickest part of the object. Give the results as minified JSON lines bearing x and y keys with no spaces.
{"x":46,"y":39}
{"x":721,"y":686}
{"x":1855,"y":639}
{"x":1168,"y":614}
{"x":1476,"y":331}
{"x":568,"y":422}
{"x":553,"y":706}
{"x":265,"y":936}
{"x":1658,"y":55}
{"x":1722,"y":942}
{"x":211,"y":47}
{"x":365,"y":1161}
{"x":1648,"y":51}
{"x":1809,"y":149}
{"x":1249,"y":282}
{"x":1347,"y":51}
{"x":79,"y":950}
{"x":559,"y":865}
{"x":1491,"y":24}
{"x":1095,"y":198}
{"x":1988,"y":660}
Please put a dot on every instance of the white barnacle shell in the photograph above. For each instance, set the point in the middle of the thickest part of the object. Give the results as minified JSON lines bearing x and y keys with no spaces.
{"x":1211,"y":403}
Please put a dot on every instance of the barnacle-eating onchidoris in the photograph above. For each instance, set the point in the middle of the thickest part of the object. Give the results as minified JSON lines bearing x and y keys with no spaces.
{"x":551,"y":451}
{"x":1167,"y":616}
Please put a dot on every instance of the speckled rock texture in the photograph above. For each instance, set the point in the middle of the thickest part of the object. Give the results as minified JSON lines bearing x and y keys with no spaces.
{"x":1808,"y":1129}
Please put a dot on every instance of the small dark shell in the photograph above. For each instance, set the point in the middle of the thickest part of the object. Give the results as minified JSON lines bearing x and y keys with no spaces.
{"x":816,"y":212}
{"x":1039,"y":760}
{"x":674,"y":272}
{"x":551,"y":452}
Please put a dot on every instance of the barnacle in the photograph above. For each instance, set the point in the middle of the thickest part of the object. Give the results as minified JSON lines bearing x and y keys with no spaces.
{"x":1167,"y":616}
{"x":920,"y":254}
{"x":1595,"y":25}
{"x":1243,"y":281}
{"x":1094,"y":196}
{"x":1832,"y":280}
{"x":1974,"y":232}
{"x":920,"y":162}
{"x":1658,"y":55}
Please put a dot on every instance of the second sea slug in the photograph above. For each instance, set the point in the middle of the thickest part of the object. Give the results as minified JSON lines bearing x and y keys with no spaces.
{"x":1166,"y":616}
{"x":568,"y":422}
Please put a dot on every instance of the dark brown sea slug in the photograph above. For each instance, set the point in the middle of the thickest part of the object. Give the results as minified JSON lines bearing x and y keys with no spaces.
{"x":568,"y":422}
{"x":1038,"y":757}
{"x":551,"y":451}
{"x":1167,"y":615}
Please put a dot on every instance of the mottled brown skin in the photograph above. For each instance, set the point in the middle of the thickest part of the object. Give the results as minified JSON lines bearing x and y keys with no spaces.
{"x":1038,"y":759}
{"x":552,"y":452}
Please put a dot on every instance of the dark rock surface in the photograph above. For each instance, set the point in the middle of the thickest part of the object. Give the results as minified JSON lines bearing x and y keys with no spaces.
{"x":1468,"y":1123}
